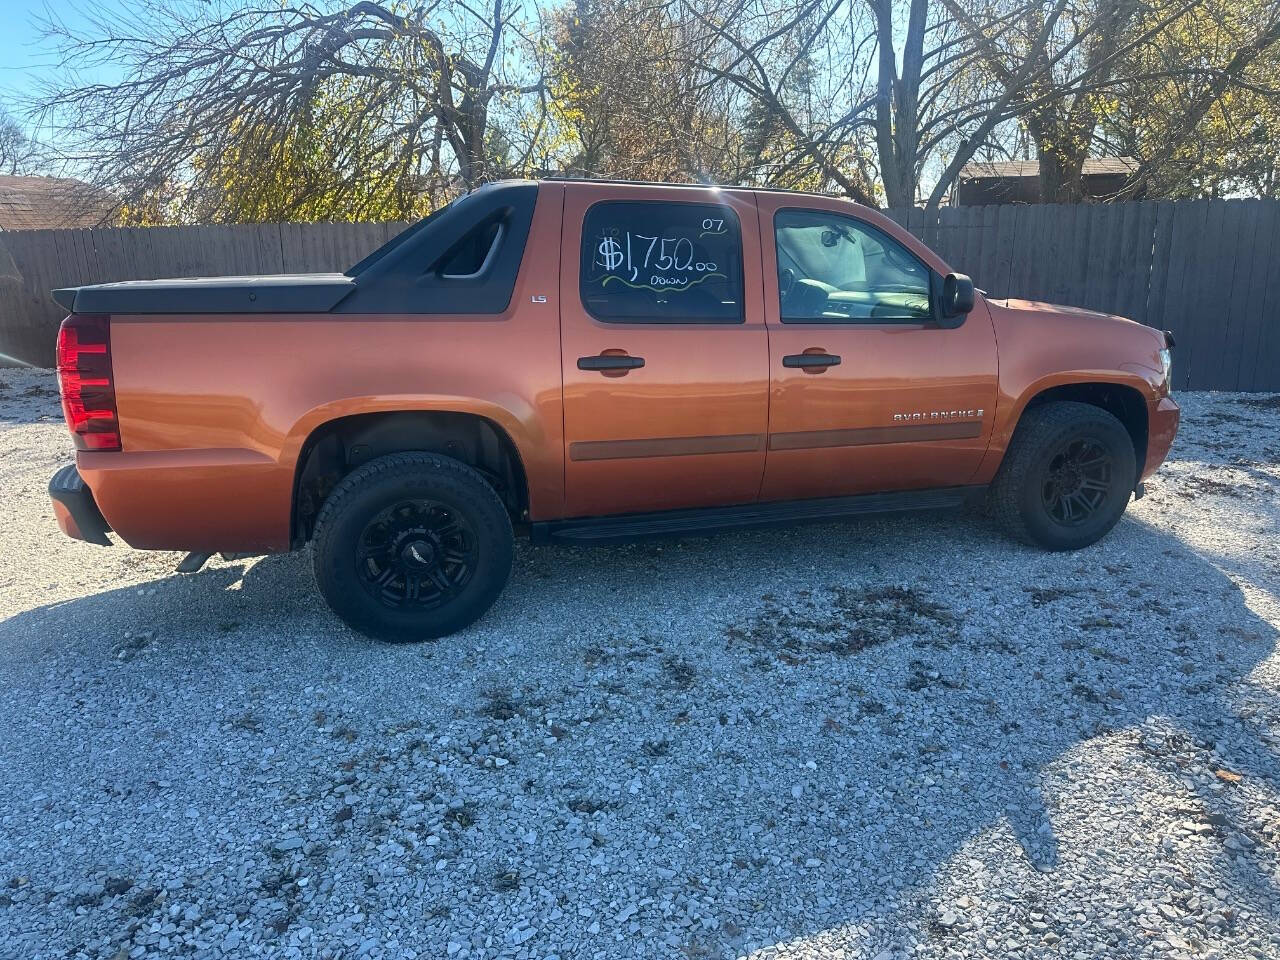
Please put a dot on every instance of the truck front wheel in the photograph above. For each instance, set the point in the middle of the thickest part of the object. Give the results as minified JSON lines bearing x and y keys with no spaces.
{"x":1066,"y":477}
{"x":412,"y":546}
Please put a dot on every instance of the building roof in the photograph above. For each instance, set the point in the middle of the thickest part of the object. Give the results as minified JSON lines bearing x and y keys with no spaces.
{"x":41,"y":203}
{"x":1017,"y":169}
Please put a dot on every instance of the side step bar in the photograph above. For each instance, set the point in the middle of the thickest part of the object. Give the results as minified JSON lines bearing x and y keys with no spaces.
{"x":675,"y":523}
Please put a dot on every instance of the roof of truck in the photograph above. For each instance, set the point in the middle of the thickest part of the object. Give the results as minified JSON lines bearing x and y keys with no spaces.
{"x":689,"y":186}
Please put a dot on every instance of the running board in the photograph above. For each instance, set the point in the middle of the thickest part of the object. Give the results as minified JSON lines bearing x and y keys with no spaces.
{"x":676,"y":523}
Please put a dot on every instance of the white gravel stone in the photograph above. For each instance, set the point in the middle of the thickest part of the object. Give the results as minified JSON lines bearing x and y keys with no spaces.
{"x":901,"y":737}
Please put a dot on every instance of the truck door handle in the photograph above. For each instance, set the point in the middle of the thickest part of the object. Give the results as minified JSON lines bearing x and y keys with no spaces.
{"x":811,"y":360}
{"x":610,"y":361}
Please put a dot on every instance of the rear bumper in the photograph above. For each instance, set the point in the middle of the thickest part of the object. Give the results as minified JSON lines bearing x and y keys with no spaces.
{"x":206,"y":500}
{"x":1164,"y":417}
{"x":75,"y":509}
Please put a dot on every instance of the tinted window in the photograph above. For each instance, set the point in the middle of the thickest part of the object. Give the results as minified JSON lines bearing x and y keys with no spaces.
{"x":468,"y":257}
{"x":662,"y":263}
{"x":836,"y":269}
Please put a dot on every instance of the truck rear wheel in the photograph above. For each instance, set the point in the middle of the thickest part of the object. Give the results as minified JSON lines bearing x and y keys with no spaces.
{"x":412,"y":546}
{"x":1066,"y":477}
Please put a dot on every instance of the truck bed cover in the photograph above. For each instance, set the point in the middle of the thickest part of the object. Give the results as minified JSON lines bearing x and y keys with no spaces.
{"x":284,"y":293}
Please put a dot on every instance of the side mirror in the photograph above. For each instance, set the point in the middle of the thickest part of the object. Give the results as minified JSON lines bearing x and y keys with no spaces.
{"x":957,"y":294}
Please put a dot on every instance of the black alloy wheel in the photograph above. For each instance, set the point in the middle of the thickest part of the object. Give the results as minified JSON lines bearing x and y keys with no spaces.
{"x":412,"y":546}
{"x":416,"y":554}
{"x":1078,"y":482}
{"x":1066,"y":477}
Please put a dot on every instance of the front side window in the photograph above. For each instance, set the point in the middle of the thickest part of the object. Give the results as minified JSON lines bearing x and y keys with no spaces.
{"x":659,"y":262}
{"x":835,"y":269}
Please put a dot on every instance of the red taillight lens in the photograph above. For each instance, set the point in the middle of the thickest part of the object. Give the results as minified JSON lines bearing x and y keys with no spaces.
{"x":84,"y":377}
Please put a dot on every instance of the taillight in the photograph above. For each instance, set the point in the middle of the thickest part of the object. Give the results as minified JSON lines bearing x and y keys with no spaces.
{"x":84,"y":378}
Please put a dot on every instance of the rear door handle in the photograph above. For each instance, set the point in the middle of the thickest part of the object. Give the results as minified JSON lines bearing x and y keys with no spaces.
{"x":811,"y":360}
{"x":607,"y":361}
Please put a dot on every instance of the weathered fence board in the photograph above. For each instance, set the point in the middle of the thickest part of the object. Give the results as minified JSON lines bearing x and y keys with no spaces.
{"x":1265,"y":360}
{"x":1207,"y":269}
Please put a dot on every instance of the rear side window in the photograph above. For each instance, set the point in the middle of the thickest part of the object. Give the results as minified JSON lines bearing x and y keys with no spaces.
{"x":471,"y":256}
{"x":658,"y":262}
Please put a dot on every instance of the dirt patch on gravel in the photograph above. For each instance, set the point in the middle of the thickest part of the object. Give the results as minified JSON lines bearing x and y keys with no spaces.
{"x":844,"y":620}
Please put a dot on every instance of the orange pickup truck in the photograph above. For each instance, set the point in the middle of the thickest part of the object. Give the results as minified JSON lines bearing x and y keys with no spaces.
{"x":590,"y":362}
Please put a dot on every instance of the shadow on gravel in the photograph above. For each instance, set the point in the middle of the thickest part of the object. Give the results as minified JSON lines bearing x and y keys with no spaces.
{"x":798,"y":731}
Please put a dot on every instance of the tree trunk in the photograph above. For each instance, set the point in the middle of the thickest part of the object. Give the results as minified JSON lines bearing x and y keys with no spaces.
{"x":1061,"y":179}
{"x":1061,"y":154}
{"x":473,"y":165}
{"x":886,"y":80}
{"x":897,"y":102}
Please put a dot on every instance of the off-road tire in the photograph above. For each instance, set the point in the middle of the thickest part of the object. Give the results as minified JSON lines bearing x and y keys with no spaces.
{"x":1017,"y":499}
{"x":367,"y":493}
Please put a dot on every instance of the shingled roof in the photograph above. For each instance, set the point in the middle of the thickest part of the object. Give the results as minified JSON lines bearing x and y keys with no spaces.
{"x":1093,"y":167}
{"x":41,"y":203}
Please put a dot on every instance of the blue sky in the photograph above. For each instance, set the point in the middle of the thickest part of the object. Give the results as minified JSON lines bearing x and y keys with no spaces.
{"x":20,"y":52}
{"x":24,"y":58}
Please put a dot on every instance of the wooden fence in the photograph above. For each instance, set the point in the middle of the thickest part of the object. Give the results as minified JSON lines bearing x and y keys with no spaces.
{"x":33,"y":262}
{"x":1209,"y":270}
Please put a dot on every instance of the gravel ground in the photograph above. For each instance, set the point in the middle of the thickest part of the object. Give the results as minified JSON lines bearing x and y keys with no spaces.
{"x":902,"y":737}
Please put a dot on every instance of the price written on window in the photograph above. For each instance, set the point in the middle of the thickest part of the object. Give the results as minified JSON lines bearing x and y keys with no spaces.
{"x":655,"y":262}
